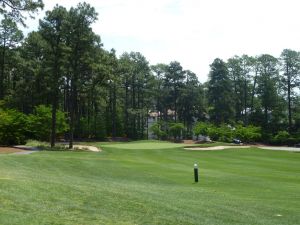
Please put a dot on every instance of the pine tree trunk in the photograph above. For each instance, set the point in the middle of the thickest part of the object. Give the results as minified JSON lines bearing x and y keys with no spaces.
{"x":2,"y":72}
{"x":114,"y":114}
{"x":53,"y":122}
{"x":253,"y":91}
{"x":289,"y":101}
{"x":72,"y":112}
{"x":71,"y":132}
{"x":126,"y":109}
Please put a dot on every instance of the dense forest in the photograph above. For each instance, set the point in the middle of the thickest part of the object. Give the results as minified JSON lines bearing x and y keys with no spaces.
{"x":60,"y":82}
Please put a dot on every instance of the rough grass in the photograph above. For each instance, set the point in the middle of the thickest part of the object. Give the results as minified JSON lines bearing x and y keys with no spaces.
{"x":142,"y":186}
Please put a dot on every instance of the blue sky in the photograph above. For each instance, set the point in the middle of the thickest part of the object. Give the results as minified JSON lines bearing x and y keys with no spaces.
{"x":194,"y":32}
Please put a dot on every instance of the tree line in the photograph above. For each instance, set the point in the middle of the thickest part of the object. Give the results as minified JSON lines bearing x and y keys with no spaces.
{"x":262,"y":91}
{"x":63,"y":66}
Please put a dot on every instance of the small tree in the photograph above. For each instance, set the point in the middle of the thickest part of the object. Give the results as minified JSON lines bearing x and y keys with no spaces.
{"x":156,"y":130}
{"x":176,"y":129}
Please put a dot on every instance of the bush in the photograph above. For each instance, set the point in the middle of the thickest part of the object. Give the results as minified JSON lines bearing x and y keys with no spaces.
{"x":156,"y":130}
{"x":13,"y":127}
{"x":222,"y":133}
{"x":213,"y":132}
{"x":284,"y":138}
{"x":176,"y":130}
{"x":281,"y":137}
{"x":225,"y":133}
{"x":248,"y":133}
{"x":40,"y":123}
{"x":201,"y":128}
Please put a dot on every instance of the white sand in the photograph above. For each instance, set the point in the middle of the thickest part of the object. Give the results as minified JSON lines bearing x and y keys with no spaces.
{"x":215,"y":148}
{"x":290,"y":149}
{"x":88,"y":147}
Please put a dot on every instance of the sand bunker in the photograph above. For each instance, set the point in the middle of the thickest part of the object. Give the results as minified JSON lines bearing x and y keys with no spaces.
{"x":282,"y":148}
{"x":87,"y":147}
{"x":215,"y":148}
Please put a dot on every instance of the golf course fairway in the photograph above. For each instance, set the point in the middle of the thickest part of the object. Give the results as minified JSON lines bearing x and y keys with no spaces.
{"x":150,"y":183}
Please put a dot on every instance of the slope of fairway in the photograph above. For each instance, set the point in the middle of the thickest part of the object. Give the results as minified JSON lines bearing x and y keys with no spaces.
{"x":142,"y":186}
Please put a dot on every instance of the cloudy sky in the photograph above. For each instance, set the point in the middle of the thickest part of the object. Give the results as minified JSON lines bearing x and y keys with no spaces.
{"x":194,"y":32}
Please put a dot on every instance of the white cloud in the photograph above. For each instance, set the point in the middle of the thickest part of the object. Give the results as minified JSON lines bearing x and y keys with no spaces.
{"x":194,"y":32}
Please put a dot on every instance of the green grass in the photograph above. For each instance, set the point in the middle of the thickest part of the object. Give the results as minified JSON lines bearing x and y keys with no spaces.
{"x":145,"y":145}
{"x":212,"y":144}
{"x":136,"y":185}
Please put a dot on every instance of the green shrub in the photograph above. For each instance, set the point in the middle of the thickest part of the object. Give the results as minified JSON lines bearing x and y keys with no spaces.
{"x":40,"y":123}
{"x":222,"y":133}
{"x":176,"y":129}
{"x":284,"y":138}
{"x":13,"y":127}
{"x":248,"y":134}
{"x":225,"y":133}
{"x":201,"y":128}
{"x":213,"y":132}
{"x":156,"y":130}
{"x":281,"y":137}
{"x":291,"y":141}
